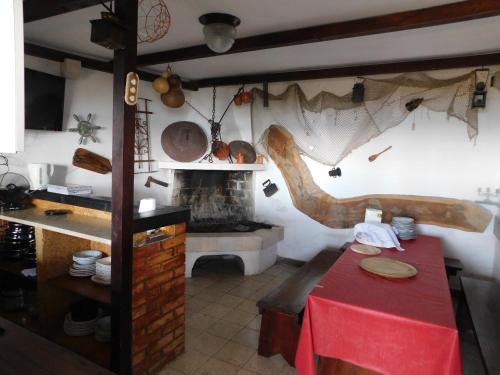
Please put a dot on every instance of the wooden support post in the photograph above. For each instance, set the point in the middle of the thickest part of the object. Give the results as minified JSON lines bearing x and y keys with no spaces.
{"x":123,"y":193}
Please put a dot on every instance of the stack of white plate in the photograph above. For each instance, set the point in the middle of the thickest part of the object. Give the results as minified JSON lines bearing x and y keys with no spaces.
{"x":72,"y":328}
{"x":84,"y":263}
{"x":102,"y":271}
{"x":405,"y":227}
{"x":103,"y":329}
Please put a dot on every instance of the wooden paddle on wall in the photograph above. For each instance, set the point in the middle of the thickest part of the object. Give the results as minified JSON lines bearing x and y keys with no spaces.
{"x":88,"y":160}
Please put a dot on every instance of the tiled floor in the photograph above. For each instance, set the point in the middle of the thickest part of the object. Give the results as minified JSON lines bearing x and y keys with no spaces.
{"x":222,"y":322}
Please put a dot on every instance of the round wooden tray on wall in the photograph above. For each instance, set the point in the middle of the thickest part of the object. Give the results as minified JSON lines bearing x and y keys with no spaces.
{"x":184,"y":141}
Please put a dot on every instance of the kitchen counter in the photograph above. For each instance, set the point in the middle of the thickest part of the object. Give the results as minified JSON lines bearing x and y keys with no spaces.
{"x":87,"y":227}
{"x":93,"y":227}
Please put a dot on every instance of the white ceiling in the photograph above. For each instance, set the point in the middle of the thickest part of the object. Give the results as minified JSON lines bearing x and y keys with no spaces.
{"x":71,"y":32}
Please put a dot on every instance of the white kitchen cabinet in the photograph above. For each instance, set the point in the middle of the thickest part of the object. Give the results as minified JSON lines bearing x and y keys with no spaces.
{"x":12,"y":73}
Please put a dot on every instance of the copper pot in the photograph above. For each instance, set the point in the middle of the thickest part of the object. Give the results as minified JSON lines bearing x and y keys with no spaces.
{"x":240,"y":158}
{"x":220,"y":150}
{"x":246,"y":97}
{"x":174,"y":98}
{"x":238,"y":100}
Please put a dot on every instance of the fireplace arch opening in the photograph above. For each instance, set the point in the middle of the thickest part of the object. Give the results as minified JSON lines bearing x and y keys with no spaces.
{"x":217,"y":265}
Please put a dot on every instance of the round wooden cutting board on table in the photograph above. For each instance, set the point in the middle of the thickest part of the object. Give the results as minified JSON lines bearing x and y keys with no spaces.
{"x":184,"y":141}
{"x":365,"y":249}
{"x":388,"y":267}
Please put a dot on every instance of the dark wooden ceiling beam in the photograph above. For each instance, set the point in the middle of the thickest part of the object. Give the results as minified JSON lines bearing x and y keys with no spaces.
{"x":413,"y":19}
{"x":87,"y":62}
{"x":352,"y":71}
{"x":35,"y":10}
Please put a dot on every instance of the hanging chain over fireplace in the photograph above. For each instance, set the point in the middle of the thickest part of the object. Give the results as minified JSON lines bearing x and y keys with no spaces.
{"x":215,"y":126}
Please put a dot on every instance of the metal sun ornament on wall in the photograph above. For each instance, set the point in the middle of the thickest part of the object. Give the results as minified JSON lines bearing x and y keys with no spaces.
{"x":153,"y":21}
{"x":85,"y":128}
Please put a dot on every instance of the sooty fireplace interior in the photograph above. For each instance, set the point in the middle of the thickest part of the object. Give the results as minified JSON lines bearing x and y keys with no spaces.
{"x":220,"y":201}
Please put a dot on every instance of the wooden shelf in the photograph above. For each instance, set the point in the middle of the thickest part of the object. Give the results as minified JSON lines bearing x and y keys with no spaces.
{"x":83,"y":286}
{"x":82,"y":226}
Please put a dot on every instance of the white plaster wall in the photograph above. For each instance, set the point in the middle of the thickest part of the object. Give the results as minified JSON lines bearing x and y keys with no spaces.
{"x":436,"y":159}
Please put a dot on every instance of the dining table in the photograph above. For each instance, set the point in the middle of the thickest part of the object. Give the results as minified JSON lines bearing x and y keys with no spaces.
{"x":388,"y":325}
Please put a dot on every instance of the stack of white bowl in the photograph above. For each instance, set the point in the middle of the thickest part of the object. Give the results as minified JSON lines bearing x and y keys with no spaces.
{"x":405,"y":227}
{"x":102,"y":271}
{"x":103,"y":329}
{"x":72,"y":328}
{"x":84,"y":263}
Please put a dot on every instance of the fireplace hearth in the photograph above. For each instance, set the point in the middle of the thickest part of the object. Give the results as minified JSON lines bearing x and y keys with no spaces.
{"x":209,"y":226}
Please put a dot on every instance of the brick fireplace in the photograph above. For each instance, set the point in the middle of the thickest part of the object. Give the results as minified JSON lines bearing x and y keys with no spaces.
{"x":215,"y":196}
{"x":222,"y":211}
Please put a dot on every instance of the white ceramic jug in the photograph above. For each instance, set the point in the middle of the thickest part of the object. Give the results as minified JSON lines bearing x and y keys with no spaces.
{"x":39,"y":175}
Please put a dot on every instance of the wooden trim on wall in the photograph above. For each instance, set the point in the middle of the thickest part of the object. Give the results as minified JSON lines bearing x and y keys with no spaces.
{"x":35,"y":10}
{"x":122,"y":218}
{"x":57,"y":55}
{"x":412,"y":19}
{"x":351,"y":71}
{"x":87,"y":62}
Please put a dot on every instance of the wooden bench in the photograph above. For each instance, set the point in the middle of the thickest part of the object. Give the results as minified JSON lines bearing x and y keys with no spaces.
{"x":483,"y":304}
{"x":453,"y":266}
{"x":282,"y":309}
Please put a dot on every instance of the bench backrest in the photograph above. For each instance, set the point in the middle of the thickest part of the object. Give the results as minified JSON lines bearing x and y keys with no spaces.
{"x":291,"y":295}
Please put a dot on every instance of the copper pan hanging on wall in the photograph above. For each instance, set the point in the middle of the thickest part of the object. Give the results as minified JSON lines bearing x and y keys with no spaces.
{"x":245,"y":148}
{"x":184,"y":141}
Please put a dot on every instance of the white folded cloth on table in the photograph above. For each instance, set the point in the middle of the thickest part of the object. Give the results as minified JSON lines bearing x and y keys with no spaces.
{"x":376,"y":234}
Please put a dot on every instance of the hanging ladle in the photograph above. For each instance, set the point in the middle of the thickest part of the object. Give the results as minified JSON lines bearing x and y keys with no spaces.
{"x":375,"y":156}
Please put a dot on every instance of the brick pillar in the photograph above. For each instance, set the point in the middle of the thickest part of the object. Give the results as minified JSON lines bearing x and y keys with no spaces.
{"x":158,"y":319}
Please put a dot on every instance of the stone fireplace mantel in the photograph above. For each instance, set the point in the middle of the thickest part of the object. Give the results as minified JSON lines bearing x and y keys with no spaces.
{"x":211,"y":166}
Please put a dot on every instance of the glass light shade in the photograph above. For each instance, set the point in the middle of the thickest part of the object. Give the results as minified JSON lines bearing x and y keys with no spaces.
{"x":219,"y":37}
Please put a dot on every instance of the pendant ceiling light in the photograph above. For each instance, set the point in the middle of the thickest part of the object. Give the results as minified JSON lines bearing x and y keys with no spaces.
{"x":219,"y":30}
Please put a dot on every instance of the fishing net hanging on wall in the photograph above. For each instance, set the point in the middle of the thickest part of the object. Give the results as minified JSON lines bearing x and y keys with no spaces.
{"x":328,"y":127}
{"x":153,"y":20}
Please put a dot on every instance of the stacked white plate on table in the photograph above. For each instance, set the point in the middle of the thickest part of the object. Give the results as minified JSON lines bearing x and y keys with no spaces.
{"x":84,"y":263}
{"x":72,"y":328}
{"x":102,"y":271}
{"x":404,"y":227}
{"x":103,"y":329}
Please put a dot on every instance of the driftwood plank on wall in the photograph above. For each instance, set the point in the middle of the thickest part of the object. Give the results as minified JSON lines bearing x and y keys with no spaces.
{"x":345,"y":213}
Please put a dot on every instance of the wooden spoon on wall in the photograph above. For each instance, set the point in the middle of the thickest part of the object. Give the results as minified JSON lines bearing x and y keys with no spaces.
{"x":375,"y":156}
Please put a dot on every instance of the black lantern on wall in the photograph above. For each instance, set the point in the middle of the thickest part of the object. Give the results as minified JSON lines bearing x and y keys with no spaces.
{"x":479,"y":95}
{"x":358,"y":92}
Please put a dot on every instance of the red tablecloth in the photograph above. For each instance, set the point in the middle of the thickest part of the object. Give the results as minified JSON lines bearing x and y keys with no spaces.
{"x":399,"y":327}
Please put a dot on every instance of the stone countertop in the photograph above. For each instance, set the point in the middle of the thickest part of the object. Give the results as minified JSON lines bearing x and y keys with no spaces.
{"x":162,"y":216}
{"x":87,"y":227}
